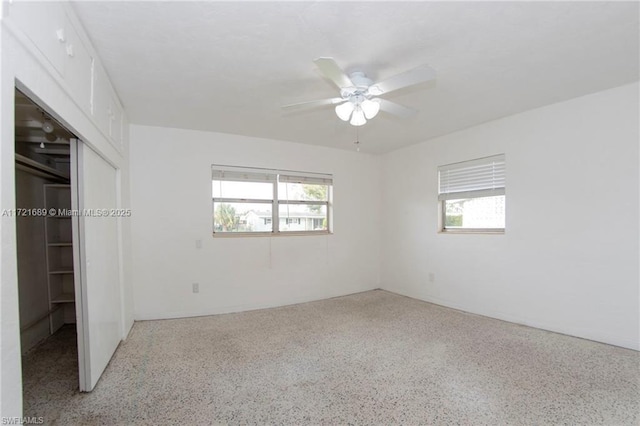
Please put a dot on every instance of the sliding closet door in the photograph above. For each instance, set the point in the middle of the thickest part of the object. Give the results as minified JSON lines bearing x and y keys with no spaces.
{"x":98,"y":260}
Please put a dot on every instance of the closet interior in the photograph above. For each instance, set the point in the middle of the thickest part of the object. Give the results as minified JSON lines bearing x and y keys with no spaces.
{"x":43,"y":224}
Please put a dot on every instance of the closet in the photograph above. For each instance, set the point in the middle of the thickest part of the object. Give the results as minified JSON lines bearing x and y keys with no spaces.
{"x":70,"y":129}
{"x":43,"y":224}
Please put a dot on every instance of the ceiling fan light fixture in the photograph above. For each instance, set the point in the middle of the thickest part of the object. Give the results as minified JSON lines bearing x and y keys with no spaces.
{"x":370,"y":107}
{"x":359,"y":96}
{"x":344,"y":110}
{"x":358,"y":118}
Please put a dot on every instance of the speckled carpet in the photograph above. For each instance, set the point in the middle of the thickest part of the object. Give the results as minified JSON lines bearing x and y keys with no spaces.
{"x":369,"y":358}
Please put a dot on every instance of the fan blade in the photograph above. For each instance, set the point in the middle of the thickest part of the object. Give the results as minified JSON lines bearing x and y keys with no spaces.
{"x":409,"y":78}
{"x":396,"y":109}
{"x":312,"y":104}
{"x":333,"y":72}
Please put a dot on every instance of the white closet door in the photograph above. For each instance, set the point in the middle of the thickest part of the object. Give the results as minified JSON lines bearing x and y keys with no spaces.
{"x":98,"y":256}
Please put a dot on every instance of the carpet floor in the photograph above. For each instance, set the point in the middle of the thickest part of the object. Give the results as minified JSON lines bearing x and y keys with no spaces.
{"x":369,"y":358}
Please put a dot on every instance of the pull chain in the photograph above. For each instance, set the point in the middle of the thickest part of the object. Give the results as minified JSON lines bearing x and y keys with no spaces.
{"x":357,"y":142}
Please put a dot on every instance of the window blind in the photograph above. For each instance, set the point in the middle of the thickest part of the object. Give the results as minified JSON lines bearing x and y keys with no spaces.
{"x":229,"y":173}
{"x":484,"y":177}
{"x":306,"y":179}
{"x":232,"y":173}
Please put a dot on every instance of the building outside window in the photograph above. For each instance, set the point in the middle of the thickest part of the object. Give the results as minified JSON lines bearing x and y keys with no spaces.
{"x":249,"y":201}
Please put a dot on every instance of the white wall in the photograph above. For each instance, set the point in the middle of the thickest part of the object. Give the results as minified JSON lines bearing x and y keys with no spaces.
{"x":568,"y":261}
{"x":171,"y":202}
{"x":32,"y":262}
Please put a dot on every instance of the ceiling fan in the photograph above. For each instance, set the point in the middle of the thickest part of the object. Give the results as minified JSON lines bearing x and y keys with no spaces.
{"x":359,"y":96}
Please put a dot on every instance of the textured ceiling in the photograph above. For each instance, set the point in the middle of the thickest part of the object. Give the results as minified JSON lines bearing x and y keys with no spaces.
{"x":229,"y":66}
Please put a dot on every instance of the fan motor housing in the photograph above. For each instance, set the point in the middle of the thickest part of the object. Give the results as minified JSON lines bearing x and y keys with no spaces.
{"x":360,"y":80}
{"x":360,"y":86}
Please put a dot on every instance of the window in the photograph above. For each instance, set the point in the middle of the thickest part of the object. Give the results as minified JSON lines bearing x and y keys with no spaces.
{"x":472,"y":195}
{"x":262,"y":201}
{"x":303,"y":202}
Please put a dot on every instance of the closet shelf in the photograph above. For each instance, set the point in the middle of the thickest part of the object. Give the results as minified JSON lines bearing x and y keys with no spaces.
{"x":32,"y":166}
{"x":58,"y":240}
{"x":63,"y":298}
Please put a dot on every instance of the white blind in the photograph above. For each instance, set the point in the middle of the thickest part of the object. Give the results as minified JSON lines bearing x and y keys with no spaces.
{"x":484,"y":177}
{"x":230,"y":173}
{"x":307,"y":179}
{"x":233,"y":173}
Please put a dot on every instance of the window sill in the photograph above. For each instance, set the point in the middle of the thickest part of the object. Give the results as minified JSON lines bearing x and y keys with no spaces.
{"x":270,"y":234}
{"x":472,"y":231}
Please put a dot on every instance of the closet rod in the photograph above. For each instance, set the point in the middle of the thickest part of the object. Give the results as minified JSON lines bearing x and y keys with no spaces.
{"x":28,"y":165}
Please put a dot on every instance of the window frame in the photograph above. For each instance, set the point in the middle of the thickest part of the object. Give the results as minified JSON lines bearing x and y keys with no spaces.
{"x":275,"y":201}
{"x":496,"y":188}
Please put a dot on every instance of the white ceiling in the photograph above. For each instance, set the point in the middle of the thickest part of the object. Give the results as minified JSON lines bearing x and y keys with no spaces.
{"x":229,"y":66}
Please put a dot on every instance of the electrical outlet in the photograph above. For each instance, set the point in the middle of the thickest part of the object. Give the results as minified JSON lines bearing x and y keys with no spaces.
{"x":432,"y":277}
{"x":196,"y":287}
